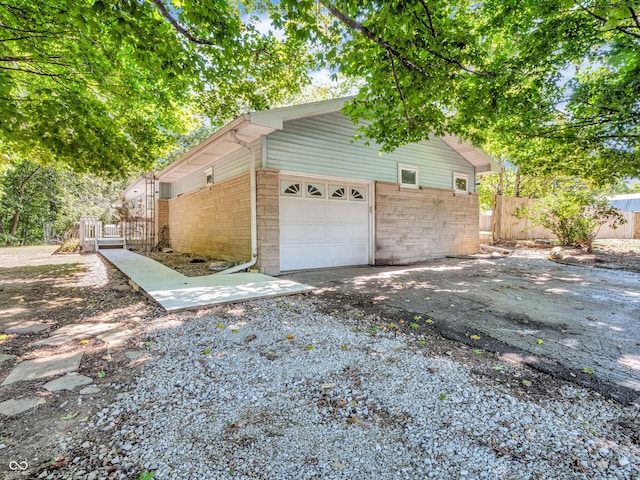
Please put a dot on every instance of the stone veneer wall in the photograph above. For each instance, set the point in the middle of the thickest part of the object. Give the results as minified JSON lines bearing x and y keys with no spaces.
{"x":417,"y":224}
{"x":268,"y":208}
{"x":215,"y":220}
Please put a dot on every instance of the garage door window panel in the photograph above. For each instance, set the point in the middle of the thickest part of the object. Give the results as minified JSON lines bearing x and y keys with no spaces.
{"x":290,"y":189}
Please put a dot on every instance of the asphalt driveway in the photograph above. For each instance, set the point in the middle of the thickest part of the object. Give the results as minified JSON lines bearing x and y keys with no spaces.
{"x":579,"y":324}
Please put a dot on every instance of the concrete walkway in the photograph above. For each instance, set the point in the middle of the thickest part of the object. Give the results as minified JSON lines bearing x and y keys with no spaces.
{"x":174,"y":291}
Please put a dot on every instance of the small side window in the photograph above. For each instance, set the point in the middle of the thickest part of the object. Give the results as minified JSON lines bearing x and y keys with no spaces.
{"x":408,"y":176}
{"x":461,"y":182}
{"x":208,"y":176}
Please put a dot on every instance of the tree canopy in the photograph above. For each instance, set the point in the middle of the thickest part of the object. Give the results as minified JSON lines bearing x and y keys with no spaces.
{"x":105,"y":85}
{"x":553,"y":85}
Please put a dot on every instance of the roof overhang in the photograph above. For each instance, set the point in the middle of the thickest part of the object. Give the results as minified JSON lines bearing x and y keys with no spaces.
{"x":252,"y":126}
{"x":219,"y":144}
{"x":481,"y":160}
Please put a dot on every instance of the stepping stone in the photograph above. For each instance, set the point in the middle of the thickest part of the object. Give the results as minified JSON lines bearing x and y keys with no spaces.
{"x":115,"y":338}
{"x":134,"y":354}
{"x":13,"y":407}
{"x":22,"y":328}
{"x":44,"y":367}
{"x":67,"y":382}
{"x":89,"y":390}
{"x":5,"y":356}
{"x":84,"y":330}
{"x":54,"y":341}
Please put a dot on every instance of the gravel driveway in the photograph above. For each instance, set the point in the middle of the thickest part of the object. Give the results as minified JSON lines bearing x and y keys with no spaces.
{"x":364,"y":379}
{"x":278,"y":389}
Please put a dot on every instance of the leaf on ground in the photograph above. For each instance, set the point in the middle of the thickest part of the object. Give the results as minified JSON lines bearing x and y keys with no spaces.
{"x":588,"y":371}
{"x":310,"y":347}
{"x":235,"y":331}
{"x":221,"y":325}
{"x":393,"y":325}
{"x":289,"y":337}
{"x":101,"y":374}
{"x":3,"y":336}
{"x":416,"y":317}
{"x":540,"y":341}
{"x":474,"y":337}
{"x":498,"y":367}
{"x":345,"y":347}
{"x":526,"y":383}
{"x":69,"y":416}
{"x":442,"y":396}
{"x":428,"y":320}
{"x":481,"y":310}
{"x":477,"y":351}
{"x":415,"y":326}
{"x":373,"y":329}
{"x":83,"y":341}
{"x":206,"y":351}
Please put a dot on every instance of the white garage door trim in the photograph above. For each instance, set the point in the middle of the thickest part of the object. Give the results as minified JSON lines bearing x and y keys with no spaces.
{"x":325,"y":184}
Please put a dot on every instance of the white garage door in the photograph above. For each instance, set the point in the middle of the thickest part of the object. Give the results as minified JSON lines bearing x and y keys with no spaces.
{"x":323,"y":223}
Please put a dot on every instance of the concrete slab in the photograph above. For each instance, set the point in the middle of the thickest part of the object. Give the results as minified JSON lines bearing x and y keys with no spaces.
{"x":559,"y":319}
{"x":174,"y":291}
{"x":67,"y":382}
{"x":44,"y":367}
{"x":115,"y":338}
{"x":13,"y":407}
{"x":23,"y":328}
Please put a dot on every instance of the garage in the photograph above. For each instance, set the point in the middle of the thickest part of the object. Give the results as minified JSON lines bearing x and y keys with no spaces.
{"x":324,"y":223}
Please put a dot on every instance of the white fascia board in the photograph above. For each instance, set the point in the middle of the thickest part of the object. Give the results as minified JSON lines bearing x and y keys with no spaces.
{"x":275,"y":118}
{"x":132,"y":191}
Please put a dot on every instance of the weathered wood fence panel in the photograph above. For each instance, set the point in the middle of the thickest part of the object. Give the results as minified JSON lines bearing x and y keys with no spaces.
{"x":512,"y":224}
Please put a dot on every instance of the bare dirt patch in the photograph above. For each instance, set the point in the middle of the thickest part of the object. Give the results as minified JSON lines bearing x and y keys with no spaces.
{"x":610,"y":254}
{"x":59,"y":291}
{"x":188,"y":264}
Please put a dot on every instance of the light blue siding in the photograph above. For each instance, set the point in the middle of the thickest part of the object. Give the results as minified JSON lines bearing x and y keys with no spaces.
{"x":164,"y":190}
{"x":322,"y":145}
{"x":229,"y":166}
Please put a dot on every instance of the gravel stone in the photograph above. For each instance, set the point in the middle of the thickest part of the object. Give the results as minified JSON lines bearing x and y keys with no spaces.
{"x":379,"y":408}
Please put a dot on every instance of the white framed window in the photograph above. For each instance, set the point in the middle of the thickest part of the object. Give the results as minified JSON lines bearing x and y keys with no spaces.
{"x":208,"y":176}
{"x":290,"y":188}
{"x":461,"y":183}
{"x":314,"y":190}
{"x":408,"y":176}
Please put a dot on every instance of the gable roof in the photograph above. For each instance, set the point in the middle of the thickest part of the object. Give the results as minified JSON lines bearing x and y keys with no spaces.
{"x":252,"y":126}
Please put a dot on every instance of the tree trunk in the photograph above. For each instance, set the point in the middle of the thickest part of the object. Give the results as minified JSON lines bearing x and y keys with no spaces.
{"x":16,"y":216}
{"x":14,"y":222}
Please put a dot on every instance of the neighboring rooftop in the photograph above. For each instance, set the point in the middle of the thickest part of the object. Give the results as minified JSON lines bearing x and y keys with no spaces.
{"x":629,"y":202}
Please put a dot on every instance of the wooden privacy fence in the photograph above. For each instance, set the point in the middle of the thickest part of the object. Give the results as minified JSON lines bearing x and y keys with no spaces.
{"x":509,"y":225}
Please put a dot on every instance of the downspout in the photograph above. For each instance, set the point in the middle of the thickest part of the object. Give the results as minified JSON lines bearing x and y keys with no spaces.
{"x":254,"y":220}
